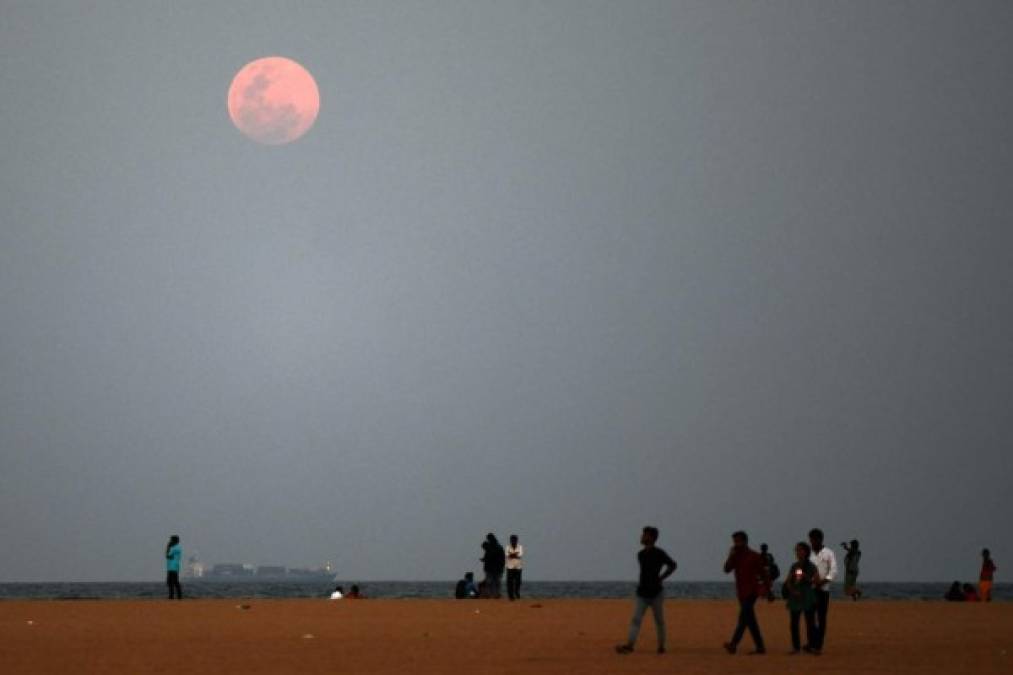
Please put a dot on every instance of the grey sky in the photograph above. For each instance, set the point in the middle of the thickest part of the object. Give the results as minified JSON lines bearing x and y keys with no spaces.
{"x":561,"y":268}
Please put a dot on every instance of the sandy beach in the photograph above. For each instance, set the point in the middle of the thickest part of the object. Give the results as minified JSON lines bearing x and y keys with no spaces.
{"x":435,"y":636}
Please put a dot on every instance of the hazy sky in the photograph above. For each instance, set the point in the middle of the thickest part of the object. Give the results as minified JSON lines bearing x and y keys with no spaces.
{"x":558,"y":268}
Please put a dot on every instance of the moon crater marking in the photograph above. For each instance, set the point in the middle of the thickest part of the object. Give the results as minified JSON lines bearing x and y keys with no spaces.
{"x":273,"y":100}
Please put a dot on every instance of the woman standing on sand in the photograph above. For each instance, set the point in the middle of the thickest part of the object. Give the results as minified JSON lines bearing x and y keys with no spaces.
{"x":851,"y":559}
{"x":799,"y":590}
{"x":173,"y":556}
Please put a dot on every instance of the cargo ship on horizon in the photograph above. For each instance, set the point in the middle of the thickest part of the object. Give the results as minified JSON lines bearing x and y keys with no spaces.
{"x":195,"y":569}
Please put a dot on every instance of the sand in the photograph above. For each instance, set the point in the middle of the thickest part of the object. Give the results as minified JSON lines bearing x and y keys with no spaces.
{"x":446,"y":636}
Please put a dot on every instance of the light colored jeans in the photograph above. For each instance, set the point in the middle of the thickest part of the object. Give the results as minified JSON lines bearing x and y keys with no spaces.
{"x":657,"y":608}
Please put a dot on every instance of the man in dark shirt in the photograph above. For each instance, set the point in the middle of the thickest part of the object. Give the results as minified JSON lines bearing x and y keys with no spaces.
{"x":750,"y":577}
{"x":655,"y":567}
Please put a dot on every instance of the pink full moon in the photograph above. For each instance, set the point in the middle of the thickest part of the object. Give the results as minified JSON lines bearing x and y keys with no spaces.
{"x":273,"y":100}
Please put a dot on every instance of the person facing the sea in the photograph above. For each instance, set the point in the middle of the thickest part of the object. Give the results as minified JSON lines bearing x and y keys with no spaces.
{"x":851,"y":559}
{"x":655,"y":566}
{"x":339,"y":593}
{"x":826,"y":567}
{"x":970,"y":595}
{"x":493,"y":563}
{"x":750,"y":580}
{"x":465,"y":589}
{"x":354,"y":593}
{"x":514,"y":566}
{"x":988,"y":569}
{"x":801,"y":596}
{"x":173,"y":557}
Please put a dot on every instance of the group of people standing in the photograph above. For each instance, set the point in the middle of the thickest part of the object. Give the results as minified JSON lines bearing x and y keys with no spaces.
{"x":806,"y":589}
{"x":495,"y":560}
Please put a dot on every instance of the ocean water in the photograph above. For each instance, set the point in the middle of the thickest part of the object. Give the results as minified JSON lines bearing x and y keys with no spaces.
{"x":252,"y":589}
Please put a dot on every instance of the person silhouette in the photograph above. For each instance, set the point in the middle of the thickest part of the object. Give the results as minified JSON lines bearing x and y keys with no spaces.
{"x":514,"y":567}
{"x":826,"y":567}
{"x":851,"y":558}
{"x":988,"y":569}
{"x":173,"y":557}
{"x":655,"y":566}
{"x":801,"y":596}
{"x":493,"y":563}
{"x":750,"y":580}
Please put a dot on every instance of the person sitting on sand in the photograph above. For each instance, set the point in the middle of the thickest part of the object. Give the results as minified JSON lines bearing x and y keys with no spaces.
{"x":970,"y":595}
{"x":801,"y":595}
{"x":354,"y":593}
{"x":338,"y":593}
{"x":851,"y":558}
{"x":655,"y":567}
{"x":956,"y":593}
{"x":987,"y":573}
{"x":750,"y":579}
{"x":465,"y":589}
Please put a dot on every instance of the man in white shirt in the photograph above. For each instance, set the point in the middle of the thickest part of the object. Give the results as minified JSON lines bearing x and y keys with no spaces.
{"x":514,"y":564}
{"x":338,"y":593}
{"x":826,"y":568}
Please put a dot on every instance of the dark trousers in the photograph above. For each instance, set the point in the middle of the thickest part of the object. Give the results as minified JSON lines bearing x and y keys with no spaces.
{"x":822,"y":606}
{"x":514,"y":584}
{"x":172,"y":581}
{"x":493,"y":580}
{"x":810,"y":627}
{"x":747,"y":619}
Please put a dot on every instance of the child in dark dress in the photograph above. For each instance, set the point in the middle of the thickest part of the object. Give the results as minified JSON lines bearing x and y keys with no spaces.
{"x":800,"y":593}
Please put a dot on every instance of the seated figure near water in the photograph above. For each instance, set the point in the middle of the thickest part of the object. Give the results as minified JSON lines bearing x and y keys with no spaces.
{"x":465,"y":589}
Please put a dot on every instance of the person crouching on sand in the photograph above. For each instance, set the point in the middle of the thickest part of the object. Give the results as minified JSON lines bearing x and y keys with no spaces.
{"x":173,"y":557}
{"x":750,"y":579}
{"x":338,"y":594}
{"x":801,"y":595}
{"x":655,"y":567}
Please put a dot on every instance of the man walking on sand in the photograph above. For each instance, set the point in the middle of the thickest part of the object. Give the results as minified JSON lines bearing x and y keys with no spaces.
{"x":826,"y":568}
{"x":750,"y":580}
{"x":655,"y":567}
